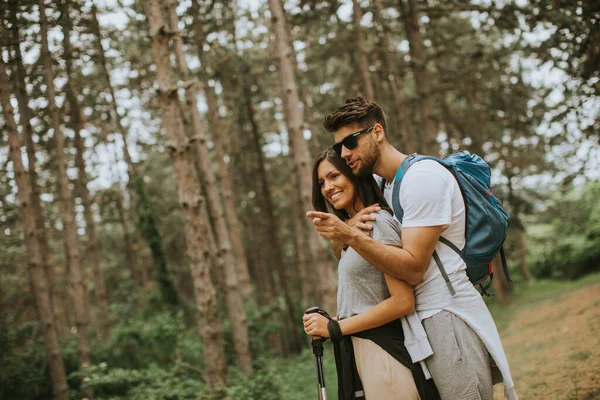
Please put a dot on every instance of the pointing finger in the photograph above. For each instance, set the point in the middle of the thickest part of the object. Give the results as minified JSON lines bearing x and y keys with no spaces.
{"x":317,"y":214}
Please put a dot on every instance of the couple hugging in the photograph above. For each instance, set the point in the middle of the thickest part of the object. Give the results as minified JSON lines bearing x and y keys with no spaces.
{"x":399,"y":332}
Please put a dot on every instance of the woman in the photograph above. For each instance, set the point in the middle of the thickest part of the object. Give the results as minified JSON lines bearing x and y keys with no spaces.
{"x":369,"y":302}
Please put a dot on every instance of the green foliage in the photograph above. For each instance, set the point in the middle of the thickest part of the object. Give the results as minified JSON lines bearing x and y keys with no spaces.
{"x":570,"y":245}
{"x":23,"y":372}
{"x":147,"y":226}
{"x":262,"y":385}
{"x":151,"y":382}
{"x":297,"y":376}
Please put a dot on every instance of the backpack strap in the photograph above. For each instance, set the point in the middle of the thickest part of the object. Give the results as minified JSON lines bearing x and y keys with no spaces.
{"x":504,"y":266}
{"x":406,"y":164}
{"x":443,"y":271}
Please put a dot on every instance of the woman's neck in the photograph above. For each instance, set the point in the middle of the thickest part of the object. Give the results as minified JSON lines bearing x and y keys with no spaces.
{"x":358,"y":205}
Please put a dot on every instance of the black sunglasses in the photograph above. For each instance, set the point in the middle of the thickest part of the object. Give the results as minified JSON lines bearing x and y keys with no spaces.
{"x":350,"y":141}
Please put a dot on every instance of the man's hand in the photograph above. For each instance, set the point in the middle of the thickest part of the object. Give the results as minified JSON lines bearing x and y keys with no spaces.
{"x":358,"y":221}
{"x":361,"y":218}
{"x":331,"y":227}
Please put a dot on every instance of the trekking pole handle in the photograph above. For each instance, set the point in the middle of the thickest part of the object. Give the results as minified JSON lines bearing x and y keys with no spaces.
{"x":316,"y":310}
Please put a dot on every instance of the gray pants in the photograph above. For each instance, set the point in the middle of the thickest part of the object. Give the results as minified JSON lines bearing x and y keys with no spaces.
{"x":460,"y":364}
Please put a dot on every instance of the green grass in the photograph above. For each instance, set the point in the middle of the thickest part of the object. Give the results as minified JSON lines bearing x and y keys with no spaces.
{"x":529,"y":294}
{"x":297,"y":377}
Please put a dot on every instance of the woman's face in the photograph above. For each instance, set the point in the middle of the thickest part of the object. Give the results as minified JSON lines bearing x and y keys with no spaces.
{"x":337,"y":189}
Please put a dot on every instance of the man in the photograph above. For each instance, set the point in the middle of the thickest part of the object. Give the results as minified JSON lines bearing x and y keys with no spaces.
{"x":468,"y":355}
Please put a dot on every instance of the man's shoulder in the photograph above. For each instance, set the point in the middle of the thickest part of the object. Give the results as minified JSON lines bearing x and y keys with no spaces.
{"x":428,"y":167}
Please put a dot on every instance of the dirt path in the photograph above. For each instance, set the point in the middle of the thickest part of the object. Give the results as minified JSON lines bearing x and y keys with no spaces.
{"x":554,"y":348}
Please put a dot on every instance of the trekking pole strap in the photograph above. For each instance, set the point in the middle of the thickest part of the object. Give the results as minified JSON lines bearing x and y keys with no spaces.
{"x":443,"y":271}
{"x":335,"y":332}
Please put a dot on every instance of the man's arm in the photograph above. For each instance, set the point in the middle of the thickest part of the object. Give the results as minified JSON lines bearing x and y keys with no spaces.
{"x":408,"y":263}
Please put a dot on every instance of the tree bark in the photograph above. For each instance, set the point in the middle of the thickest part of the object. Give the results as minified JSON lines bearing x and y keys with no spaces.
{"x":191,"y":200}
{"x":322,"y":273}
{"x":499,"y":281}
{"x":394,"y":80}
{"x":77,"y":124}
{"x":363,"y":64}
{"x":55,"y":291}
{"x":37,"y":277}
{"x":419,"y":66}
{"x":221,"y":137}
{"x":225,"y":256}
{"x":67,"y":214}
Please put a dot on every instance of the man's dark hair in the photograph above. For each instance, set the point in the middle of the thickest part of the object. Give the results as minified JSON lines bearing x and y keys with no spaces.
{"x":359,"y":111}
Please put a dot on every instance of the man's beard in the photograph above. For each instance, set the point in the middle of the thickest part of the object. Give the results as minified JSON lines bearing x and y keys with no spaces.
{"x":367,"y":164}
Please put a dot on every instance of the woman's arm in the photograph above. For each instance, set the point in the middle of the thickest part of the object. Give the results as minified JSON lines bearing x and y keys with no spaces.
{"x":400,"y":303}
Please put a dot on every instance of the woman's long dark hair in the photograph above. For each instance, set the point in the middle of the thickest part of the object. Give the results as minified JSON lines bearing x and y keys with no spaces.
{"x":365,"y":187}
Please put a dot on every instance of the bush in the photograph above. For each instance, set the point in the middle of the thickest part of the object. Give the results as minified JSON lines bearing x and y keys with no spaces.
{"x":569,"y":246}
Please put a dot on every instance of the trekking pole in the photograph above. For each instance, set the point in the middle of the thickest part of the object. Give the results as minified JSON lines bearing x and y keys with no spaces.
{"x":317,"y":347}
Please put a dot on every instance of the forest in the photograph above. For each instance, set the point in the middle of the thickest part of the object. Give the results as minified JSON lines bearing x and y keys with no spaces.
{"x":156,"y":171}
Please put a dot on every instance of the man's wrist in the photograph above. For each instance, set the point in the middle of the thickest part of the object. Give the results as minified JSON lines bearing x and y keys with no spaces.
{"x":353,"y":238}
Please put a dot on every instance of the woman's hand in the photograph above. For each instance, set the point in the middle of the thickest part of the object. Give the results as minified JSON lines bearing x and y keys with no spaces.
{"x":315,"y":325}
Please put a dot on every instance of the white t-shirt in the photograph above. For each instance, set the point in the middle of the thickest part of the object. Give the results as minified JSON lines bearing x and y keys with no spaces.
{"x":430,"y":196}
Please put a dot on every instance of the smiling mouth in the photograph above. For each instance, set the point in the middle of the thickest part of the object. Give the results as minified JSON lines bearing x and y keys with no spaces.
{"x":335,"y":196}
{"x":353,"y":164}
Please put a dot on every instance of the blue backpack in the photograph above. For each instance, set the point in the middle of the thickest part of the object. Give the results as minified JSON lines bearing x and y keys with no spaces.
{"x":486,"y":220}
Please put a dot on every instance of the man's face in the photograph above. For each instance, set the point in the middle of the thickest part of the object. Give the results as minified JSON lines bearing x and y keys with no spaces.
{"x":363,"y":157}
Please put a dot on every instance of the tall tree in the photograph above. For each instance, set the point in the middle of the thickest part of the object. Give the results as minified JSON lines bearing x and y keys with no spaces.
{"x":77,"y":124}
{"x":363,"y":64}
{"x":25,"y":114}
{"x":321,"y":274}
{"x":221,"y":135}
{"x":37,"y":277}
{"x":146,"y":223}
{"x":418,"y":62}
{"x":225,"y":256}
{"x":196,"y":222}
{"x":395,"y":81}
{"x":67,"y":213}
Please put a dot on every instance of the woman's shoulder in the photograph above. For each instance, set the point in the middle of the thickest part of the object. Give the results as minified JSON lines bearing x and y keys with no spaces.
{"x":385,"y":222}
{"x":384,"y":216}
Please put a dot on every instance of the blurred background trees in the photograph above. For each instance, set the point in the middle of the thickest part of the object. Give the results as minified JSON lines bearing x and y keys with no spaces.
{"x":153,"y":237}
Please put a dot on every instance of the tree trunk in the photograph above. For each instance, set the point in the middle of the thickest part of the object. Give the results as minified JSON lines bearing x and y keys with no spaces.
{"x":222,"y":136}
{"x":422,"y":79}
{"x":191,"y":200}
{"x":55,"y":292}
{"x":394,"y":80}
{"x":67,"y":214}
{"x":225,"y":255}
{"x":142,"y":271}
{"x":520,"y":239}
{"x":270,"y":225}
{"x":322,"y":273}
{"x":37,"y":277}
{"x":77,"y":124}
{"x":363,"y":65}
